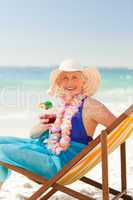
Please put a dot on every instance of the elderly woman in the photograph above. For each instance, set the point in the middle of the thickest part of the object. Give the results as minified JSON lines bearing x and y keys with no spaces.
{"x":51,"y":146}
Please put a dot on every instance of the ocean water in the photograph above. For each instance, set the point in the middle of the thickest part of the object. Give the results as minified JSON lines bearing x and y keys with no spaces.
{"x":37,"y":77}
{"x":23,"y":88}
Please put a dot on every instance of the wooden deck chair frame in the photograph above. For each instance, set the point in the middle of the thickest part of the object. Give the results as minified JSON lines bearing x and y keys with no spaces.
{"x":49,"y":187}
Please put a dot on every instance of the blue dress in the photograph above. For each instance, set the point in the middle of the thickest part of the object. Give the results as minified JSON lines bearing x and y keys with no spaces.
{"x":33,"y":155}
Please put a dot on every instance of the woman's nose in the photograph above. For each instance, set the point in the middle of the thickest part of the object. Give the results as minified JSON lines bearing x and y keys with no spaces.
{"x":70,"y":82}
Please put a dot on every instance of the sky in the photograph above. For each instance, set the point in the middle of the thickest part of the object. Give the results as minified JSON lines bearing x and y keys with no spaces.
{"x":45,"y":32}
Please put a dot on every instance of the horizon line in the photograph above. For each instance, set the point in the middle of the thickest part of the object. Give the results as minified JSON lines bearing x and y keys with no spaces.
{"x":56,"y":65}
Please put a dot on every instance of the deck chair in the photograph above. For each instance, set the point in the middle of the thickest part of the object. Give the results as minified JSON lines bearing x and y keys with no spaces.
{"x":97,"y":150}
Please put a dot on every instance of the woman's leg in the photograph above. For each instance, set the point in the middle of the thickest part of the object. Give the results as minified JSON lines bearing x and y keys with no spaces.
{"x":10,"y":140}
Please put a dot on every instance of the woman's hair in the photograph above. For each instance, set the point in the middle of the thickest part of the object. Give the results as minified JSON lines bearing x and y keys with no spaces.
{"x":55,"y":89}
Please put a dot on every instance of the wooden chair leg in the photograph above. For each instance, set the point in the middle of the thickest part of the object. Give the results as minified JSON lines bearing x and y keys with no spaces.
{"x":105,"y":185}
{"x":123,"y":167}
{"x":71,"y":192}
{"x":111,"y":190}
{"x":49,"y":194}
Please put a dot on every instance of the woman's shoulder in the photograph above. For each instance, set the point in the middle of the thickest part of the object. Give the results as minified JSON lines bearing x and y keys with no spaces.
{"x":91,"y":106}
{"x":92,"y":103}
{"x":98,"y":111}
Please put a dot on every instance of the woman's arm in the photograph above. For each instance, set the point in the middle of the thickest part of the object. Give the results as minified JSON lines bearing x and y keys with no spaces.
{"x":101,"y":114}
{"x":37,"y":130}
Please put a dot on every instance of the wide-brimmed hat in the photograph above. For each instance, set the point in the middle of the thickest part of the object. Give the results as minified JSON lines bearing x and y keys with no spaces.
{"x":91,"y":75}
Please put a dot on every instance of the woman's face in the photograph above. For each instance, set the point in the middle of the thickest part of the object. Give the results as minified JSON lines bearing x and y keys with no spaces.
{"x":71,"y":83}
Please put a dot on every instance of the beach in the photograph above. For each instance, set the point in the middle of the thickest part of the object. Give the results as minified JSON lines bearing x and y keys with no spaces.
{"x":21,"y":90}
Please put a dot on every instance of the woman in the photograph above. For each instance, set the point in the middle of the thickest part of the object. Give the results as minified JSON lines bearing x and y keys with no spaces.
{"x":52,"y":145}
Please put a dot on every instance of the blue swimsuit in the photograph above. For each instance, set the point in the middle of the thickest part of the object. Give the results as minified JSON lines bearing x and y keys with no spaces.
{"x":33,"y":155}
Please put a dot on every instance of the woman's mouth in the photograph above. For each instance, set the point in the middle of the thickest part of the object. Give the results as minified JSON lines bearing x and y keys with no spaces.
{"x":70,"y":89}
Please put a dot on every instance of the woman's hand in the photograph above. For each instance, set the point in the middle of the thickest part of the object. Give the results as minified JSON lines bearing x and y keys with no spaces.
{"x":45,"y":123}
{"x":47,"y":118}
{"x":43,"y":119}
{"x":37,"y":130}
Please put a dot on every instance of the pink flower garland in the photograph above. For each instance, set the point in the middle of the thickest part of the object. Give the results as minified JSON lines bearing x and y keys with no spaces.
{"x":59,"y":139}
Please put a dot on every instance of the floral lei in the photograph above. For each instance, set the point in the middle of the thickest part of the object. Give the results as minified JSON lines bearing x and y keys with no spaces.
{"x":59,"y":139}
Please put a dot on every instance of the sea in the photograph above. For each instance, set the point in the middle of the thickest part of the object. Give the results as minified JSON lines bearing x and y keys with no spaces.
{"x":23,"y":88}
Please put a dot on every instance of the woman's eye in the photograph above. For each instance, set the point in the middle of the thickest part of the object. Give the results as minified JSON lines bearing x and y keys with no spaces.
{"x":65,"y":78}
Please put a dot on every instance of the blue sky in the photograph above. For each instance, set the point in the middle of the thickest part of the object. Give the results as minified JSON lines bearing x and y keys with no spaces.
{"x":44,"y":32}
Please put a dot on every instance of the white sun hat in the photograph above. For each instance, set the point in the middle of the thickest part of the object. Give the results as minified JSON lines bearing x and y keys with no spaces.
{"x":70,"y":65}
{"x":91,"y":75}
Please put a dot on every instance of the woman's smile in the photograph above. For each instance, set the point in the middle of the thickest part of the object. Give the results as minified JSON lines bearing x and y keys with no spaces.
{"x":70,"y":89}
